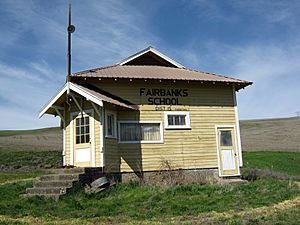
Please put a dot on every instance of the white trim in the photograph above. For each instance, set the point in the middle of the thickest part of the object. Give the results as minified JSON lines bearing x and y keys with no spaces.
{"x":102,"y":138}
{"x":92,"y":121}
{"x":75,"y":88}
{"x":238,"y":133}
{"x":177,"y":127}
{"x":141,"y":142}
{"x":107,"y":113}
{"x":218,"y":149}
{"x":150,"y":49}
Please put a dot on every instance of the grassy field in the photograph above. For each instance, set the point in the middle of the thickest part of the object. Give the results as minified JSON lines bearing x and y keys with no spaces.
{"x":133,"y":202}
{"x":29,"y":160}
{"x":283,"y":162}
{"x":264,"y":201}
{"x":271,"y":134}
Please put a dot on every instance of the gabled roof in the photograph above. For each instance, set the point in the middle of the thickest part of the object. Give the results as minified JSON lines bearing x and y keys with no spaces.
{"x":153,"y":53}
{"x":151,"y":64}
{"x":98,"y":97}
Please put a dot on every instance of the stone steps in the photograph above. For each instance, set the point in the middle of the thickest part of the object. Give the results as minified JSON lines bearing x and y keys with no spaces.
{"x":46,"y":190}
{"x":59,"y":177}
{"x":55,"y":184}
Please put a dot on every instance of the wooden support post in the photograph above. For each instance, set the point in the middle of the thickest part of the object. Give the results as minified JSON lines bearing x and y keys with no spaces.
{"x":76,"y":102}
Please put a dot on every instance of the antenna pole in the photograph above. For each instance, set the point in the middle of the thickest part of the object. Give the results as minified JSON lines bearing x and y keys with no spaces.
{"x":71,"y":29}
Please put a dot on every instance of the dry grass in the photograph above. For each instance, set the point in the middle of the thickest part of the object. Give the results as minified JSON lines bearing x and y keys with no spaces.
{"x":271,"y":134}
{"x":48,"y":139}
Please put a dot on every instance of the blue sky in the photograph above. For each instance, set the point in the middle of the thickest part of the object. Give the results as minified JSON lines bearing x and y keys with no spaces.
{"x":253,"y":40}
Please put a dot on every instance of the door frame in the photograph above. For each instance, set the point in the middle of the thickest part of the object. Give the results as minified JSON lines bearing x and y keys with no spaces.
{"x":92,"y":123}
{"x":233,"y":127}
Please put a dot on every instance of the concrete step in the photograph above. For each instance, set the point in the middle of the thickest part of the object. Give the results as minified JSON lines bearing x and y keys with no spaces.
{"x":46,"y":190}
{"x":48,"y":196}
{"x":55,"y":183}
{"x":59,"y":177}
{"x":76,"y":170}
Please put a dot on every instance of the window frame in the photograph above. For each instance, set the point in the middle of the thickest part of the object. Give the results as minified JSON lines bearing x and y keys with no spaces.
{"x":114,"y":128}
{"x":178,"y":127}
{"x":141,"y":142}
{"x":86,"y":141}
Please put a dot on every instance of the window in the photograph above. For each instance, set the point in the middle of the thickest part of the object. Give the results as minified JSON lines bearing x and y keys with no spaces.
{"x":177,"y":120}
{"x":111,"y":124}
{"x":226,"y":139}
{"x":82,"y":130}
{"x":140,"y":132}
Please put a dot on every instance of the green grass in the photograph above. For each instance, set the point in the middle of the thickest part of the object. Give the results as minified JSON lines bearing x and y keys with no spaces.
{"x":146,"y":202}
{"x":5,"y":133}
{"x":13,"y":176}
{"x":16,"y":160}
{"x":284,"y":162}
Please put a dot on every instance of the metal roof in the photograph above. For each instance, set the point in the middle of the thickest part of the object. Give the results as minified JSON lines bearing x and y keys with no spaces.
{"x":157,"y":72}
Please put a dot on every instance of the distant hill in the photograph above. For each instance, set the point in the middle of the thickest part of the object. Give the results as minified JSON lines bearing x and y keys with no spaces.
{"x":45,"y":139}
{"x":271,"y":134}
{"x":257,"y":135}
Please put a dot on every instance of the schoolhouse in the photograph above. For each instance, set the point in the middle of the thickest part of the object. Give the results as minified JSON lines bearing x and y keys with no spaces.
{"x":147,"y":109}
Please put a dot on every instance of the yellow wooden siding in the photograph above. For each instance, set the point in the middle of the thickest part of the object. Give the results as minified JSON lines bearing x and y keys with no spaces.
{"x":112,"y":158}
{"x":185,"y":149}
{"x":208,"y":105}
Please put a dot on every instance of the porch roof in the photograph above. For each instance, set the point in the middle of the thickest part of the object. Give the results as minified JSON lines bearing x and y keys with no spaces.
{"x":92,"y":95}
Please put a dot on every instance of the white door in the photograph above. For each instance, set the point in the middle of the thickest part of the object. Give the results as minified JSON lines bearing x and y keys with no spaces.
{"x":228,"y":160}
{"x":83,"y":137}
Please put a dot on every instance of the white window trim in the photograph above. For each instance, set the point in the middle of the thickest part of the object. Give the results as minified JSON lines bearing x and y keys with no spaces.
{"x":177,"y":127}
{"x":109,"y":112}
{"x":141,"y":142}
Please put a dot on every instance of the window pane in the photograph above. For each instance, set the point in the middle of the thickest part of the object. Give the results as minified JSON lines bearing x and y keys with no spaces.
{"x":170,"y":120}
{"x":87,"y":138}
{"x":181,"y":120}
{"x":82,"y":130}
{"x":87,"y":129}
{"x":77,"y":131}
{"x":109,"y":125}
{"x":150,"y":132}
{"x":77,"y":139}
{"x":140,"y":132}
{"x":176,"y":120}
{"x":77,"y":122}
{"x":87,"y":120}
{"x":82,"y":139}
{"x":225,"y":138}
{"x":129,"y":132}
{"x":81,"y":120}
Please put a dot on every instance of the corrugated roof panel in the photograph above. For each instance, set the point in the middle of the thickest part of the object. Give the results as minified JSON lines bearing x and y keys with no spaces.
{"x":156,"y":72}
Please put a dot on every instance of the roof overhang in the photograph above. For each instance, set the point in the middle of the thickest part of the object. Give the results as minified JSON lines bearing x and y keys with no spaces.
{"x":65,"y":89}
